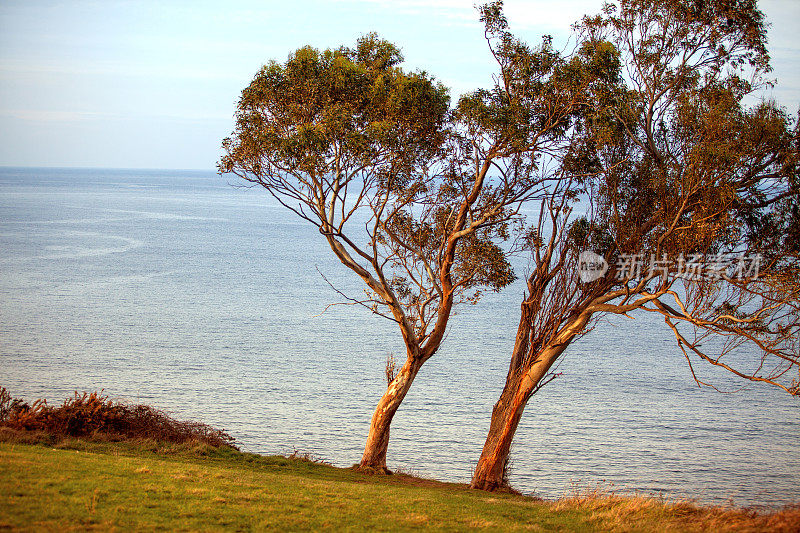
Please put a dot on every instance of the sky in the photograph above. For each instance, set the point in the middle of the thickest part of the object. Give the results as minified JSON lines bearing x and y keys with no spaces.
{"x":154,"y":84}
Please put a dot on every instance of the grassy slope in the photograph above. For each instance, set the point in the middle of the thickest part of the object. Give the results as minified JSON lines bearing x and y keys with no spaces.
{"x":133,"y":486}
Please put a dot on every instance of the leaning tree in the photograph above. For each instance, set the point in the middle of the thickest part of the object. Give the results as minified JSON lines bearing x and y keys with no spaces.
{"x":397,"y":185}
{"x":674,"y":198}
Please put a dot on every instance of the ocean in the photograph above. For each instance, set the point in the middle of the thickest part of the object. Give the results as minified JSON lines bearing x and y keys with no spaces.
{"x":182,"y":290}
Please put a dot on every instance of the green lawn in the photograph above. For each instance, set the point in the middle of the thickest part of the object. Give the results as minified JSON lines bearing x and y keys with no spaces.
{"x":80,"y":485}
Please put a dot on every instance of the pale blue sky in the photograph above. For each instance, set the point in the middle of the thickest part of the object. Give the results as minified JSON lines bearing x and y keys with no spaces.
{"x":137,"y":84}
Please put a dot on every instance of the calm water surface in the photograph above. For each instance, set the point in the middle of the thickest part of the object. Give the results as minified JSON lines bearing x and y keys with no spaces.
{"x":178,"y":290}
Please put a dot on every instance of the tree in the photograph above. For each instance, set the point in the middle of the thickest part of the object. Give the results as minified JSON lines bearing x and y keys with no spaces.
{"x":673,"y":198}
{"x":364,"y":151}
{"x":414,"y":199}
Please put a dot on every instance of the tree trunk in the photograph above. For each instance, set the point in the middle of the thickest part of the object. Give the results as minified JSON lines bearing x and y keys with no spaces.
{"x":374,"y":458}
{"x":490,"y":473}
{"x":524,"y":376}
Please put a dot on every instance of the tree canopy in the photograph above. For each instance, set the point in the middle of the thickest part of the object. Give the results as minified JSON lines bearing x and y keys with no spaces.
{"x":362,"y":150}
{"x":641,"y":151}
{"x":683,"y":197}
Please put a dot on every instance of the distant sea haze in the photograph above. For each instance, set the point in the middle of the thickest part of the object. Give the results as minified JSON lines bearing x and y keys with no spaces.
{"x":178,"y":290}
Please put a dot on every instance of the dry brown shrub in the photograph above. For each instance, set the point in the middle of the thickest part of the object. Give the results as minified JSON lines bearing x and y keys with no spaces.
{"x":94,"y":414}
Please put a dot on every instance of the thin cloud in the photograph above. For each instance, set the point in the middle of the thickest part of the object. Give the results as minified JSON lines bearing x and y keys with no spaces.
{"x":16,"y":69}
{"x":555,"y":17}
{"x":39,"y":115}
{"x":42,"y":115}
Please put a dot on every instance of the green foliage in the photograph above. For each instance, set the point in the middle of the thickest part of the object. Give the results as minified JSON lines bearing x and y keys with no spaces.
{"x":346,"y":136}
{"x":338,"y":112}
{"x":541,"y":93}
{"x":685,"y":166}
{"x":479,"y":262}
{"x":585,"y":235}
{"x":672,"y":162}
{"x":654,"y":156}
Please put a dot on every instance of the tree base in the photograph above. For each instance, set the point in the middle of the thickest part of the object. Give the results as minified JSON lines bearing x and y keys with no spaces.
{"x":495,"y":487}
{"x":488,"y":486}
{"x":373,"y":470}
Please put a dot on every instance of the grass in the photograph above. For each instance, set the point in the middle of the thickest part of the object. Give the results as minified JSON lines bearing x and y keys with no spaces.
{"x":79,"y":484}
{"x":97,"y":464}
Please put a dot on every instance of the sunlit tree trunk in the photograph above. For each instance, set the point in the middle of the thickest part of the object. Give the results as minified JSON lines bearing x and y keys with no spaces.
{"x":490,"y":474}
{"x":526,"y":374}
{"x":374,"y":458}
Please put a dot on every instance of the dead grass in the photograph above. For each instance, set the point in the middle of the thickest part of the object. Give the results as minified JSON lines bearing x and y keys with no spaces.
{"x":637,"y":513}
